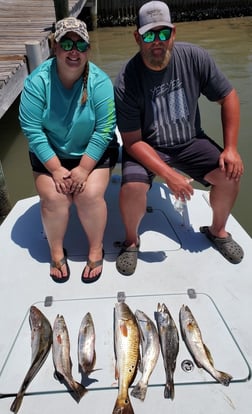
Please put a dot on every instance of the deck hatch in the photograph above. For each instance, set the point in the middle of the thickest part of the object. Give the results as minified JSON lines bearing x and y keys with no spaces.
{"x":216,"y":334}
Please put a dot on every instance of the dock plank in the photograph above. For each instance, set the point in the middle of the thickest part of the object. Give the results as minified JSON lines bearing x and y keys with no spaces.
{"x":22,"y":21}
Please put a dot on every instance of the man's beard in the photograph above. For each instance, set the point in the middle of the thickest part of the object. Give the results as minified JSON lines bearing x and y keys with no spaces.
{"x":157,"y":62}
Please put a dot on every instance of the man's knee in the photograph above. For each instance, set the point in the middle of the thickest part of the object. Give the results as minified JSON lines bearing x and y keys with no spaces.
{"x":134,"y":188}
{"x":219,"y":178}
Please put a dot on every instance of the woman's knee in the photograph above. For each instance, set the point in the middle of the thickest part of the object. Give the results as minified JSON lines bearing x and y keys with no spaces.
{"x":54,"y":200}
{"x":89,"y":197}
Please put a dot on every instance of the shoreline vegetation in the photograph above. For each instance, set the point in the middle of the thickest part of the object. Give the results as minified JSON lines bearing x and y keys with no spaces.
{"x":125,"y":16}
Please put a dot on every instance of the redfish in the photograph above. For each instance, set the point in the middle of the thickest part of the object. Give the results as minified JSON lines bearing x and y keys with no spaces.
{"x":126,"y":341}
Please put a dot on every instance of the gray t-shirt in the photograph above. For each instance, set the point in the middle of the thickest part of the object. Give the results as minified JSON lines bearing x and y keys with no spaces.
{"x":164,"y":104}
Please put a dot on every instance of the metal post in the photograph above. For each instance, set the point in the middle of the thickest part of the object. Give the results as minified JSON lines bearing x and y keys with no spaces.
{"x":61,"y":9}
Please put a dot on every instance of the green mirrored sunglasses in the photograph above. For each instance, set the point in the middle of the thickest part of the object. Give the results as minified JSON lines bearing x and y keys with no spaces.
{"x":163,"y":35}
{"x":68,"y":44}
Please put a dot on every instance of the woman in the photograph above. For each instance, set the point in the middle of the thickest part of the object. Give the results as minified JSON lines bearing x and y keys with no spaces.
{"x":67,"y":114}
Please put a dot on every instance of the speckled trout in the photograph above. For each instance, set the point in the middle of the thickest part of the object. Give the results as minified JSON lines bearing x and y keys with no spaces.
{"x":192,"y":336}
{"x":150,"y":349}
{"x":41,"y":341}
{"x":86,"y":344}
{"x":62,"y":360}
{"x":169,"y":342}
{"x":126,"y":341}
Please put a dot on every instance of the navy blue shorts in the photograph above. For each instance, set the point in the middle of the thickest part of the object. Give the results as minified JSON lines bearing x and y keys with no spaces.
{"x":108,"y":160}
{"x":195,"y":158}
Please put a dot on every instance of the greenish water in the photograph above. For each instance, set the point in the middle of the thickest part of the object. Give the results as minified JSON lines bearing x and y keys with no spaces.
{"x":229,"y":41}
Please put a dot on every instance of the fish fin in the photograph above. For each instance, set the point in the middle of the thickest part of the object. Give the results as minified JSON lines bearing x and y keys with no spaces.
{"x":116,"y":371}
{"x":58,"y":376}
{"x":17,"y":403}
{"x":190,"y":326}
{"x":123,"y":406}
{"x":197,"y":362}
{"x":224,"y":378}
{"x":209,"y":356}
{"x":139,"y":391}
{"x":59,"y":339}
{"x":124,"y":329}
{"x":79,"y":391}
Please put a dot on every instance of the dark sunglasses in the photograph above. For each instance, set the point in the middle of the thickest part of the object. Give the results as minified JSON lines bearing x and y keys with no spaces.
{"x":163,"y":35}
{"x":69,"y":44}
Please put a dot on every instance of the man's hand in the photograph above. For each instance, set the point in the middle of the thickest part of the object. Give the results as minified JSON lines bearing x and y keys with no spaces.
{"x":230,"y":162}
{"x":180,"y":186}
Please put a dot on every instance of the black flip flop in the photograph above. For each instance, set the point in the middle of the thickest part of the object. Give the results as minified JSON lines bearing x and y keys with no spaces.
{"x":92,"y":266}
{"x":59,"y":265}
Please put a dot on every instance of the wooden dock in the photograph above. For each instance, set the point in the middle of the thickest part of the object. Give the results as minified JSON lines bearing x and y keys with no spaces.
{"x":24,"y":21}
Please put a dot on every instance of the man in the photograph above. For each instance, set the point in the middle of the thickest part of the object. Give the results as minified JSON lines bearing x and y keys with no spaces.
{"x":158,"y":117}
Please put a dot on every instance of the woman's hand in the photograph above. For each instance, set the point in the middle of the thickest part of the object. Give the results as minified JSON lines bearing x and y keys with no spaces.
{"x":62,"y":180}
{"x":79,"y":177}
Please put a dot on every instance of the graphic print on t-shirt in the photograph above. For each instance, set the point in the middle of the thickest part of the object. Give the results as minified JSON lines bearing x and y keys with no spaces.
{"x":171,"y":115}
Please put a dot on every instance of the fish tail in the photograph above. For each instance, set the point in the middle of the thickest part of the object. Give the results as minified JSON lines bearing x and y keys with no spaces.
{"x":123,"y":406}
{"x":224,"y":378}
{"x":79,"y":390}
{"x":139,"y":391}
{"x":17,"y":403}
{"x":169,"y":391}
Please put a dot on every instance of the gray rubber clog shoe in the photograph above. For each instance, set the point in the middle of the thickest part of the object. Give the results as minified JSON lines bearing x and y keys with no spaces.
{"x":126,"y":261}
{"x":227,"y":246}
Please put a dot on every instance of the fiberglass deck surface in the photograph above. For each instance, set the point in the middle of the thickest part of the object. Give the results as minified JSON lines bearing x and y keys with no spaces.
{"x":174,"y":257}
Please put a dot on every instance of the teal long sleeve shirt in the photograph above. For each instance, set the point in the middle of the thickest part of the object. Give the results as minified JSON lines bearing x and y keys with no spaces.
{"x":56,"y":123}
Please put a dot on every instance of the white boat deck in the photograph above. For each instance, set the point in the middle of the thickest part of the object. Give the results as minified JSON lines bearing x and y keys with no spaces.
{"x":177,"y":265}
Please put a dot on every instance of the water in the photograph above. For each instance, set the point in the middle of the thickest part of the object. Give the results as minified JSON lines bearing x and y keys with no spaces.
{"x":229,"y":41}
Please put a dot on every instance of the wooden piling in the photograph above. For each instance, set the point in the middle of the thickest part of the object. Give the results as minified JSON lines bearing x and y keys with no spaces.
{"x":61,"y":9}
{"x":94,"y":14}
{"x":5,"y":205}
{"x":34,"y":54}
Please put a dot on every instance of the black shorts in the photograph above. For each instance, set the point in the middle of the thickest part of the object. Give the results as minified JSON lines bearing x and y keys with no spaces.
{"x":195,"y":158}
{"x":108,"y":160}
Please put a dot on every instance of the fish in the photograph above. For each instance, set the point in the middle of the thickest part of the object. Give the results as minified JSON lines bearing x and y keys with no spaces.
{"x":192,"y":337}
{"x":126,"y":343}
{"x":150,"y":349}
{"x":41,"y":342}
{"x":62,"y":359}
{"x":86,"y":344}
{"x":169,"y":343}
